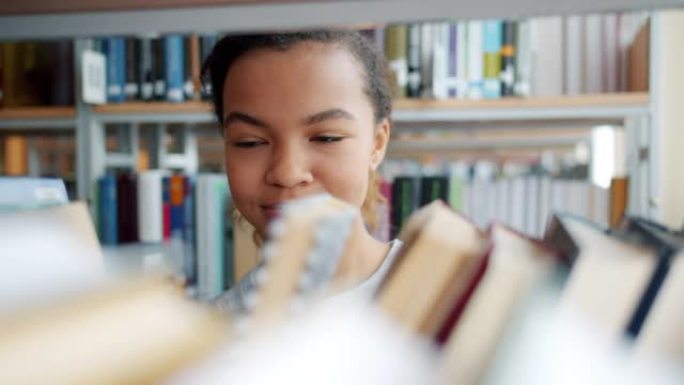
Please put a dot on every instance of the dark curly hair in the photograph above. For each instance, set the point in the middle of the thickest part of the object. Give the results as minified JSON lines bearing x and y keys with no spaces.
{"x":231,"y":47}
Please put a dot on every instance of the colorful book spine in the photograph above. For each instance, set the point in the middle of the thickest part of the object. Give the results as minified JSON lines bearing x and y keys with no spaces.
{"x":166,"y":207}
{"x":108,"y":210}
{"x":396,"y":46}
{"x":116,"y":63}
{"x":174,"y":68}
{"x":189,"y":236}
{"x":508,"y":58}
{"x":492,"y":59}
{"x":177,"y":194}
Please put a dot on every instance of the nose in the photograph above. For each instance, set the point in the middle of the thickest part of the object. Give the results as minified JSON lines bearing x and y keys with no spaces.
{"x":289,"y":167}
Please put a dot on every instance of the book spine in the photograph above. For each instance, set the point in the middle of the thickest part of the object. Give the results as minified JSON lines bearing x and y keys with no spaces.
{"x":132,"y":89}
{"x":492,"y":59}
{"x":127,"y":208}
{"x":192,"y":68}
{"x":573,"y":45}
{"x":166,"y":207}
{"x":190,"y":251}
{"x":147,"y":68}
{"x":522,"y":59}
{"x":174,"y":63}
{"x":414,"y":61}
{"x":177,"y":191}
{"x":593,"y":44}
{"x":441,"y":79}
{"x":150,"y":211}
{"x":475,"y":59}
{"x":159,"y":68}
{"x":108,"y":210}
{"x":428,"y":33}
{"x":508,"y":58}
{"x":611,"y":49}
{"x":462,"y":53}
{"x":452,"y":61}
{"x":434,"y":188}
{"x":546,"y":46}
{"x":405,"y":199}
{"x":207,"y":43}
{"x":396,"y":46}
{"x":115,"y":63}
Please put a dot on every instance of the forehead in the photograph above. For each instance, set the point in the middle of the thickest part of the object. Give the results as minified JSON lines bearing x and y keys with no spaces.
{"x":310,"y":74}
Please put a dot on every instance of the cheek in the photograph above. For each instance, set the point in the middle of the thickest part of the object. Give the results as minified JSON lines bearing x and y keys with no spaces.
{"x":243,"y":178}
{"x":346,"y":177}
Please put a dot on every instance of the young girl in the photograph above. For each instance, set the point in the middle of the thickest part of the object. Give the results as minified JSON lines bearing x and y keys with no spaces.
{"x":304,"y":113}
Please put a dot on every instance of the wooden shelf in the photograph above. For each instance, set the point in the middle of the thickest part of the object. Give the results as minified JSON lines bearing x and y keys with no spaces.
{"x":638,"y":99}
{"x":189,"y":107}
{"x":37,"y":113}
{"x":38,"y":117}
{"x":614,"y":99}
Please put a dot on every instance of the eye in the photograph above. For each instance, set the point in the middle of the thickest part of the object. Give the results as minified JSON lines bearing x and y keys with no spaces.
{"x":326,"y":139}
{"x":249,"y":143}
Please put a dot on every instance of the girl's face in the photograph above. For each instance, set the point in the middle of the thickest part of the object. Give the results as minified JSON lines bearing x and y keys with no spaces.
{"x":296,"y":123}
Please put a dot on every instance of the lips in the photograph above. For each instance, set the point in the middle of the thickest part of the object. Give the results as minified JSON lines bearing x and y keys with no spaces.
{"x":271,"y":211}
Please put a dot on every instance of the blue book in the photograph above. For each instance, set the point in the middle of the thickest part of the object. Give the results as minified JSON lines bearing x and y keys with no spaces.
{"x":190,"y":256}
{"x":115,"y":50}
{"x":107,"y":210}
{"x":492,"y":39}
{"x":174,"y":64}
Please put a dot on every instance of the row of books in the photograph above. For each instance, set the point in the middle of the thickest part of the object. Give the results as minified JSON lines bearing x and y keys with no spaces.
{"x":155,"y":68}
{"x":522,"y":202}
{"x":156,"y":206}
{"x":494,"y":58}
{"x":36,"y":73}
{"x":580,"y":289}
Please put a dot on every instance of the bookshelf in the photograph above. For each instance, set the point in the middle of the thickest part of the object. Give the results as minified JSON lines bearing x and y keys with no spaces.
{"x":79,"y":20}
{"x":38,"y":19}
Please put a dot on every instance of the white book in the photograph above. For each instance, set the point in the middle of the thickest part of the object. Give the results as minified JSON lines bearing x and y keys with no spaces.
{"x":532,"y":202}
{"x":475,"y":59}
{"x":490,"y":199}
{"x":517,"y":205}
{"x":503,"y":194}
{"x":523,"y":59}
{"x":600,"y":205}
{"x":547,"y":56}
{"x":427,"y":34}
{"x":593,"y":54}
{"x":440,"y":50}
{"x":150,"y":212}
{"x":611,"y":52}
{"x":574,"y":54}
{"x":544,"y":203}
{"x":466,"y":199}
{"x":462,"y":59}
{"x":558,"y":193}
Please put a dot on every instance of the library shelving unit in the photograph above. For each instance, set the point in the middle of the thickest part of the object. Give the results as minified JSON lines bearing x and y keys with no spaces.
{"x":80,"y":20}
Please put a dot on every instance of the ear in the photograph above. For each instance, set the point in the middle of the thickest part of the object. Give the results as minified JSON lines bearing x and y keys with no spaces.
{"x":380,"y":142}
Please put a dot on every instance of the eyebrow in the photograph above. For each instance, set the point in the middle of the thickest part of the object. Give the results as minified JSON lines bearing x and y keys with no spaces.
{"x":331,"y":114}
{"x":234,"y":117}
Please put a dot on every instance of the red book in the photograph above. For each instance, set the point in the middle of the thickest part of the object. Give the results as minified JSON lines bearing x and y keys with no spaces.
{"x":166,"y":207}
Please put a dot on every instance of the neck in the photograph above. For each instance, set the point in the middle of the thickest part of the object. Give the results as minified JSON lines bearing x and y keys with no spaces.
{"x":363,"y":256}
